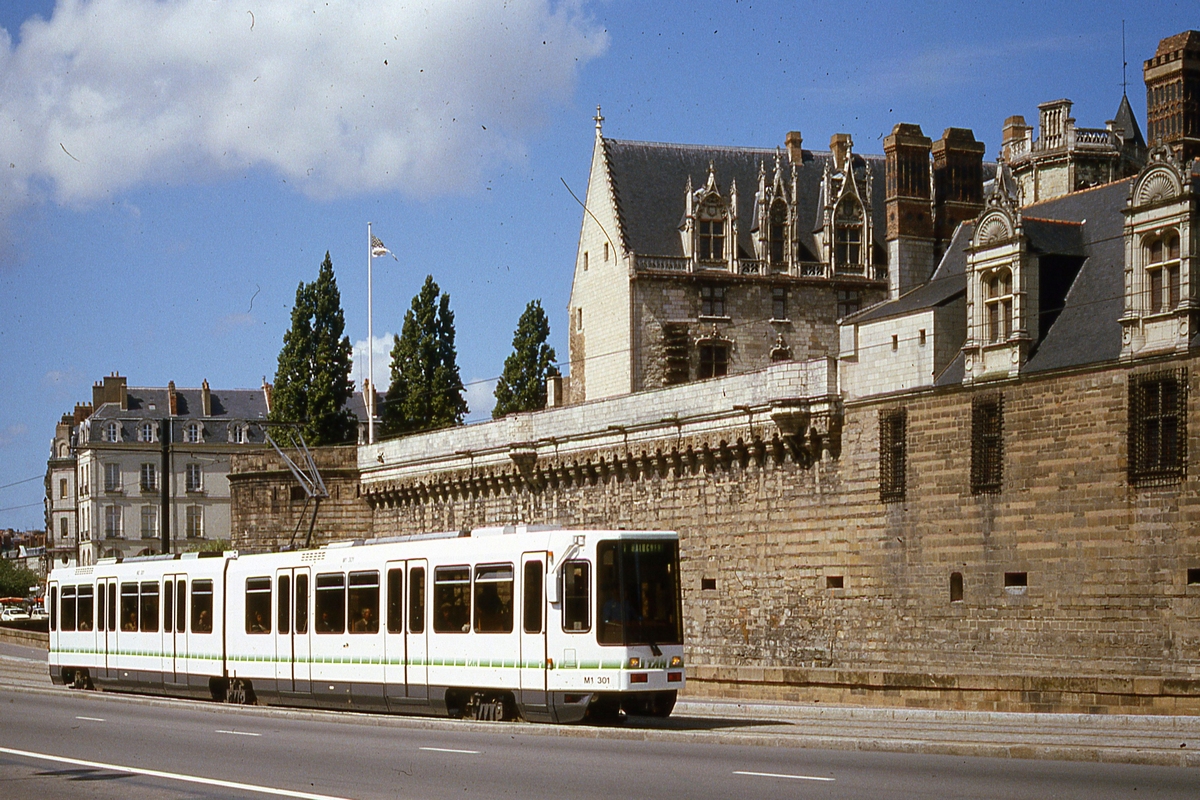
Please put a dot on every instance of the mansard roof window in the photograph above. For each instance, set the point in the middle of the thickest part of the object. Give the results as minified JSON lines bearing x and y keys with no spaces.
{"x":1162,"y":272}
{"x":998,"y":301}
{"x":112,"y":432}
{"x":777,"y":233}
{"x":848,"y":234}
{"x":710,"y":230}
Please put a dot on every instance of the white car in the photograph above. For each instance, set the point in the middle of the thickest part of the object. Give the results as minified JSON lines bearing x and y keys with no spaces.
{"x":13,"y":614}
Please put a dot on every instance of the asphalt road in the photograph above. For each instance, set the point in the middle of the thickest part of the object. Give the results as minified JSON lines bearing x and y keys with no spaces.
{"x":61,"y":744}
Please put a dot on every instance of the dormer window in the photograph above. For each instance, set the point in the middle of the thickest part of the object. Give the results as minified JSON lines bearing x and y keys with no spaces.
{"x":1162,"y":272}
{"x":710,"y":231}
{"x":112,"y":432}
{"x":997,"y":293}
{"x":848,"y":234}
{"x":146,"y":432}
{"x":191,"y":433}
{"x":777,"y":232}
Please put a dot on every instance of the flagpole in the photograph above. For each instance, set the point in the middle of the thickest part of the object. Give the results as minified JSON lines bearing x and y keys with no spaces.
{"x":370,"y":347}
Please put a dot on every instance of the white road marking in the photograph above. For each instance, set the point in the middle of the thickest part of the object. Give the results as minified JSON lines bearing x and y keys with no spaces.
{"x":240,"y":733}
{"x":779,"y":775}
{"x":172,"y":776}
{"x":90,"y":719}
{"x":448,"y":750}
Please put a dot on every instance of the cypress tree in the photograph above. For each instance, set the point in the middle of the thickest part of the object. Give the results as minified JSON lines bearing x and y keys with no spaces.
{"x":312,"y":379}
{"x":522,"y":386}
{"x":426,"y":391}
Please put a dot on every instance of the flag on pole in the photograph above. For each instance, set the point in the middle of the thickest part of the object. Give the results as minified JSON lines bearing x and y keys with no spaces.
{"x":377,"y":248}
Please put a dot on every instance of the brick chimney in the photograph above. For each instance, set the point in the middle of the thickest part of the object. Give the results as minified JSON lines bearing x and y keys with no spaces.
{"x":205,"y":399}
{"x":1017,"y":139}
{"x":112,"y":390}
{"x":1173,"y":94}
{"x":793,"y":142}
{"x":909,"y":209}
{"x":957,"y":183}
{"x":172,"y":399}
{"x":82,"y":412}
{"x":266,"y":390}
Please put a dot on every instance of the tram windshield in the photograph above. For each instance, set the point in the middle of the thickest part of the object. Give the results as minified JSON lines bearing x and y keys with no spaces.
{"x":637,"y":586}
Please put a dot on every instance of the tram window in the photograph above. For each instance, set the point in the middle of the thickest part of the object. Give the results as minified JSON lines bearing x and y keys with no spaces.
{"x":364,"y":602}
{"x":149,"y":607}
{"x":494,"y":598}
{"x":452,"y":599}
{"x":416,"y":600}
{"x":395,"y":600}
{"x":202,"y":606}
{"x":68,"y":608}
{"x":331,"y":602}
{"x":302,"y":603}
{"x":181,"y":605}
{"x":284,"y":614}
{"x":533,"y":597}
{"x":85,"y":607}
{"x":129,"y":607}
{"x":258,"y":605}
{"x":168,"y":606}
{"x":112,"y":606}
{"x":53,"y":608}
{"x":576,"y":597}
{"x":101,"y":614}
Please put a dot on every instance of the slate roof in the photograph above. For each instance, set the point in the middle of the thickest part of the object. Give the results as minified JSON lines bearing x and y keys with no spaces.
{"x":650,"y":181}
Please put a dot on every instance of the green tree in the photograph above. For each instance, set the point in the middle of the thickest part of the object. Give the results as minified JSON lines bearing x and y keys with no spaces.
{"x":15,"y":581}
{"x":426,"y":391}
{"x":312,"y":380}
{"x":522,"y":386}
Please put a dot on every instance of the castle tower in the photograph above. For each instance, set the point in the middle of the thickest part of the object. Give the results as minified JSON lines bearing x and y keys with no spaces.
{"x":1173,"y":94}
{"x":909,"y":210}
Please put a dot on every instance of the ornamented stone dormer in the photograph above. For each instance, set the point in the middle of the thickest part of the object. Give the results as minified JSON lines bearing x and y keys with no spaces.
{"x":775,"y":214}
{"x":847,"y":235}
{"x":1001,"y":288}
{"x":1161,"y":308}
{"x":709,"y":227}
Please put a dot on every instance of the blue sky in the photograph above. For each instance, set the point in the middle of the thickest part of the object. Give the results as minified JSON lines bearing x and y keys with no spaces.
{"x":170,"y":171}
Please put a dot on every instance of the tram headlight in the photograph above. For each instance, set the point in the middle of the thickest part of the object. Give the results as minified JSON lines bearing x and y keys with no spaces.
{"x":635,"y":662}
{"x":676,"y":661}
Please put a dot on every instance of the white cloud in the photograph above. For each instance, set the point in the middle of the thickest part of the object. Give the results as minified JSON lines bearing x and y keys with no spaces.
{"x":381,"y":353}
{"x":13,"y":434}
{"x":338,"y":98}
{"x":481,"y":398}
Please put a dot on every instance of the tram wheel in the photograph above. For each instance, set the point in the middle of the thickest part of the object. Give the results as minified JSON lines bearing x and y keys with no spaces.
{"x":239,"y":693}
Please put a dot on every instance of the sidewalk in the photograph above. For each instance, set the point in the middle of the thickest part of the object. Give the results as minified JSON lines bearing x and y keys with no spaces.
{"x":1130,"y":739}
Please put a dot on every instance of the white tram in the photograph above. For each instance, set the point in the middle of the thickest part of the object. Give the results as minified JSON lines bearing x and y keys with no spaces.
{"x":550,"y":624}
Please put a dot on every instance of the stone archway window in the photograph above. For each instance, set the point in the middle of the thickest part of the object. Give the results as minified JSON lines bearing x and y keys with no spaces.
{"x":710,"y":230}
{"x":998,"y":304}
{"x":1162,"y":271}
{"x":777,"y":232}
{"x":848,"y":233}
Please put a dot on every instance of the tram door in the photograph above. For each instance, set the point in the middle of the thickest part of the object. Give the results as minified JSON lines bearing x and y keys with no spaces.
{"x":405,"y":649}
{"x":533,"y":630}
{"x":106,"y":625}
{"x":175,"y":644}
{"x":292,"y":655}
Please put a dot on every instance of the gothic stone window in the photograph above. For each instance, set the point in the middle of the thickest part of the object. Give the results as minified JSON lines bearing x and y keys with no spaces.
{"x":1162,"y":272}
{"x":998,"y":302}
{"x":893,"y":453}
{"x":849,"y":301}
{"x":777,"y":233}
{"x":778,"y":302}
{"x":848,"y":234}
{"x":710,"y":230}
{"x":712,"y":301}
{"x":714,"y":359}
{"x":987,"y":445}
{"x":1157,"y":427}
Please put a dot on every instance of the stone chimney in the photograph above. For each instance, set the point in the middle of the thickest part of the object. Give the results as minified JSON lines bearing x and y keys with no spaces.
{"x":266,"y":390}
{"x":205,"y":399}
{"x":909,"y":208}
{"x":793,"y":142}
{"x":554,"y":390}
{"x":112,"y":390}
{"x":957,"y":183}
{"x":840,"y":145}
{"x":1017,"y":138}
{"x":1173,"y":94}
